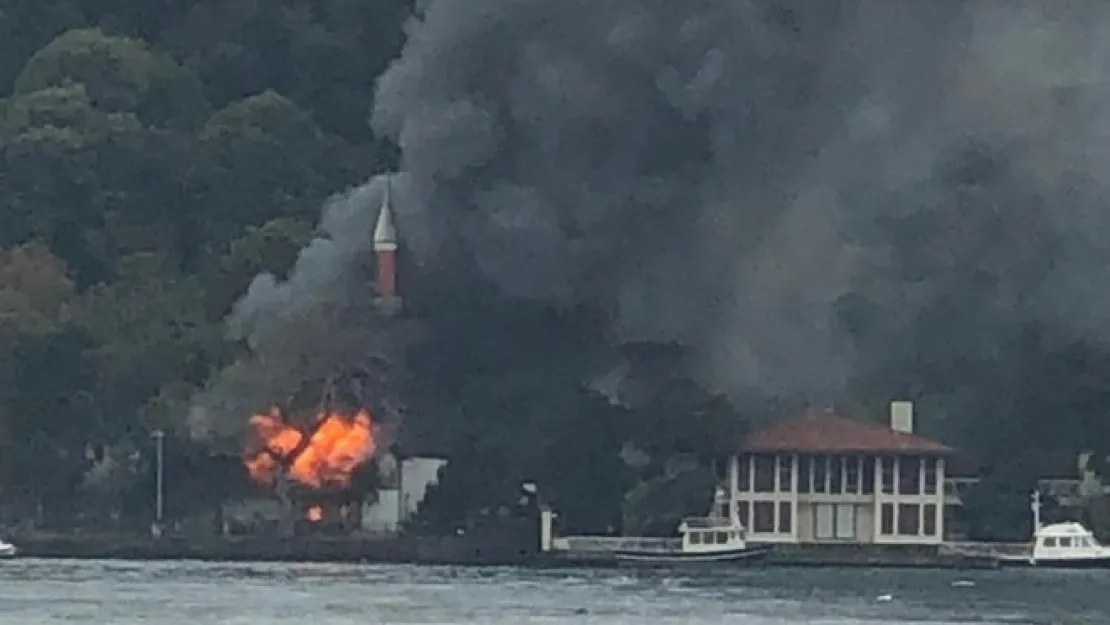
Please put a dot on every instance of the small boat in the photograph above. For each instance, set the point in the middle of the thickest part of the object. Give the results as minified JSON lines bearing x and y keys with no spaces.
{"x":703,"y":540}
{"x":7,"y":550}
{"x":1067,"y":545}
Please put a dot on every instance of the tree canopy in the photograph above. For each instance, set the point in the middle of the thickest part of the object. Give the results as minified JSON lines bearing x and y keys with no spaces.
{"x":152,"y":162}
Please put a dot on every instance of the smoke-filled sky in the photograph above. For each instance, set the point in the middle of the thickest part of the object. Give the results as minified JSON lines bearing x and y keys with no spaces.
{"x":719,"y":171}
{"x":801,"y":191}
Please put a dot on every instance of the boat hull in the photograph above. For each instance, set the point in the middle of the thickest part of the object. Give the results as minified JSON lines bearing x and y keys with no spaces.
{"x":1094,"y":562}
{"x":748,"y":555}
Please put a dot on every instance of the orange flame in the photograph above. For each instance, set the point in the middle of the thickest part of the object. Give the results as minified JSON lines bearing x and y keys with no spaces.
{"x":338,"y":446}
{"x":315,"y":514}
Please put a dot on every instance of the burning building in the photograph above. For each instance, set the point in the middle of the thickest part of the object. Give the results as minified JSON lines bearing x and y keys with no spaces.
{"x":331,"y":469}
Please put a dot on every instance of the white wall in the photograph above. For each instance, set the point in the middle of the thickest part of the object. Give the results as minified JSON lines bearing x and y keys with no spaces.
{"x":395,"y":505}
{"x":417,"y":474}
{"x":384,"y":515}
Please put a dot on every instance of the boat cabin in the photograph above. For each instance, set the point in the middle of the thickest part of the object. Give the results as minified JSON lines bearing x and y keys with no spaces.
{"x":711,"y":534}
{"x":1069,"y":540}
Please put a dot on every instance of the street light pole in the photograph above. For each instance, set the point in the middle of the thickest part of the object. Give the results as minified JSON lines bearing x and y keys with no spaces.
{"x":159,"y":472}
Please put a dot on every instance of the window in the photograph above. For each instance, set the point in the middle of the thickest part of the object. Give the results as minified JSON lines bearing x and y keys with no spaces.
{"x":805,"y":474}
{"x":836,"y":474}
{"x":695,"y":538}
{"x":909,"y":475}
{"x":834,"y":521}
{"x":820,"y":474}
{"x":764,"y":517}
{"x":764,"y":474}
{"x":929,"y":519}
{"x":722,"y":537}
{"x":744,"y":512}
{"x":745,"y":473}
{"x":824,"y":521}
{"x":785,"y":518}
{"x":1065,"y":542}
{"x":786,"y":468}
{"x":886,"y":521}
{"x":888,"y":475}
{"x":867,"y":480}
{"x":930,"y":486}
{"x":845,"y":521}
{"x":851,"y":475}
{"x":909,"y":519}
{"x":1049,"y":542}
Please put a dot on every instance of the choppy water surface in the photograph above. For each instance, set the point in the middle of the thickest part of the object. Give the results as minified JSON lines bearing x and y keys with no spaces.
{"x":45,"y":592}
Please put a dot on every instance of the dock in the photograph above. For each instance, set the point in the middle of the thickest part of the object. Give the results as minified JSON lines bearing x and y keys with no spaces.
{"x":598,"y":551}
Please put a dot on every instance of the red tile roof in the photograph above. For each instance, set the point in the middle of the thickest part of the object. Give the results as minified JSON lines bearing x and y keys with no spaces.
{"x":827,"y":432}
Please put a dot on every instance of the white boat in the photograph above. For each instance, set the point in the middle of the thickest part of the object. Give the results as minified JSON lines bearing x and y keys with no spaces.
{"x":1068,"y":545}
{"x":7,"y":550}
{"x":703,"y":540}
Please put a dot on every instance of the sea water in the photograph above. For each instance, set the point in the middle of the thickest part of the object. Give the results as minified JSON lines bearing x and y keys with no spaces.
{"x":47,"y":592}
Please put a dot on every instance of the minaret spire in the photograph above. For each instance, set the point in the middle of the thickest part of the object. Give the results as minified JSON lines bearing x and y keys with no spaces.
{"x":385,"y":252}
{"x":385,"y":233}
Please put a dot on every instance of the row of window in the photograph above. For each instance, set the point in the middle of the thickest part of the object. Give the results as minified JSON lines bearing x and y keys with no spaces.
{"x":838,"y":521}
{"x":1066,"y":541}
{"x":839,"y":475}
{"x":908,"y":519}
{"x":759,"y":517}
{"x":710,"y":538}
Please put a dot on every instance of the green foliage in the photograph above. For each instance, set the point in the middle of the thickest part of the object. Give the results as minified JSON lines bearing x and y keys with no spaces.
{"x":152,"y":162}
{"x":997,"y":509}
{"x":1098,"y":518}
{"x":474,"y":487}
{"x":120,"y":75}
{"x":656,"y":507}
{"x":582,"y":472}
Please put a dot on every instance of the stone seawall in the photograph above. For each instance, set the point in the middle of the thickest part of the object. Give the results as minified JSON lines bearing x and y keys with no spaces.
{"x":507,"y":544}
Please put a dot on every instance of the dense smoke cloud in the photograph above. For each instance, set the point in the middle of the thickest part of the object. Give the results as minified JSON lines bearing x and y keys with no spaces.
{"x":726,"y":173}
{"x":806,"y":193}
{"x":323,"y":273}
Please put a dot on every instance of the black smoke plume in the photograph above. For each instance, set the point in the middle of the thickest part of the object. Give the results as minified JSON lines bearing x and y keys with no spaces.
{"x":822,"y":200}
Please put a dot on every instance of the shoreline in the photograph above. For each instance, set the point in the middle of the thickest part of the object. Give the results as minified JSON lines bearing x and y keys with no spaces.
{"x":499,"y":550}
{"x":330,"y":550}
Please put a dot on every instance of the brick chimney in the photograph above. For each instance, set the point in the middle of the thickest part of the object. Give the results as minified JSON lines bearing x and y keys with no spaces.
{"x":901,"y":416}
{"x":385,"y":252}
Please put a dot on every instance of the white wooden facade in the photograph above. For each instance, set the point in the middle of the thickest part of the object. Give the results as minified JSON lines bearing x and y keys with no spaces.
{"x":863,"y":498}
{"x":829,"y":479}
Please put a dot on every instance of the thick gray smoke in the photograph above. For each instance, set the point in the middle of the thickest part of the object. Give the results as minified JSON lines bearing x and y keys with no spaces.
{"x":323,"y":271}
{"x":317,"y":323}
{"x":803,"y":192}
{"x":758,"y":179}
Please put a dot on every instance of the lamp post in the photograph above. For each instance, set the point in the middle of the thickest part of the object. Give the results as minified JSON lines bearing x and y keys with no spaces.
{"x":159,"y":472}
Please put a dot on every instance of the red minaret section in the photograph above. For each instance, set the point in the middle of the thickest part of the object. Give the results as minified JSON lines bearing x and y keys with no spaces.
{"x":385,"y":252}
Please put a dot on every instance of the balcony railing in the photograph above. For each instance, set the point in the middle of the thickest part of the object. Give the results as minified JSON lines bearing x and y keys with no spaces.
{"x":707,"y":523}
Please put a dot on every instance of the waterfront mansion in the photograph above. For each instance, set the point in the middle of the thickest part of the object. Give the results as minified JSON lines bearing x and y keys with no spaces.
{"x":825,"y":478}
